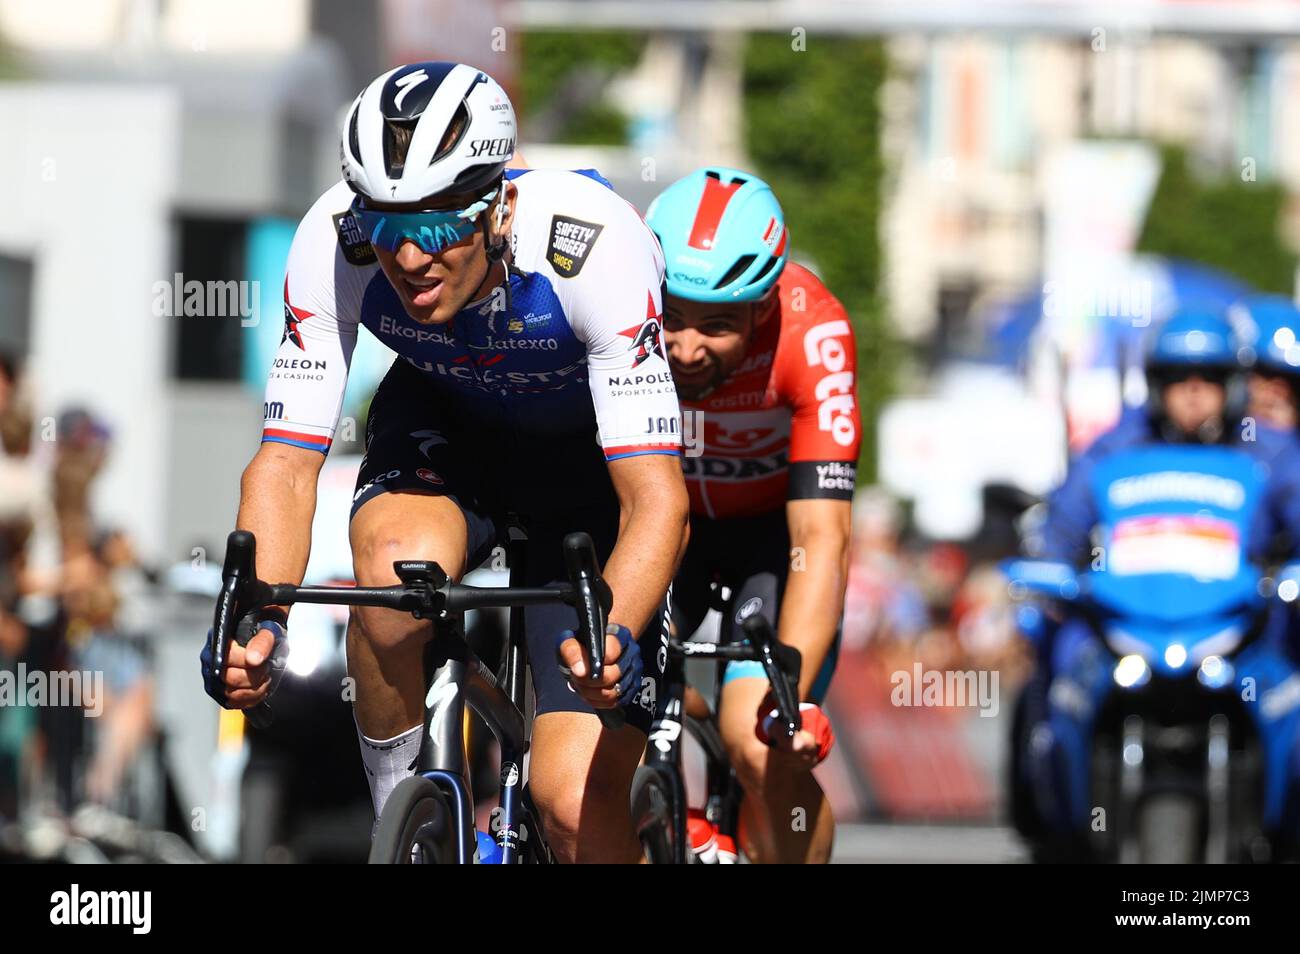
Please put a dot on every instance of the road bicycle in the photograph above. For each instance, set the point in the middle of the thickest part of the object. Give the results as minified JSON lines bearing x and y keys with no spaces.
{"x":659,"y":807}
{"x":429,"y":817}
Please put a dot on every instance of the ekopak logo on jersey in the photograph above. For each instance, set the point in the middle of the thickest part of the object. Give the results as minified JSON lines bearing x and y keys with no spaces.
{"x":824,"y":345}
{"x":389,"y":327}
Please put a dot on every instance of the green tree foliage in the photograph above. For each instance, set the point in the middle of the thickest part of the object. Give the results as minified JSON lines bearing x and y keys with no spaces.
{"x":812,"y":126}
{"x":549,"y":61}
{"x":1223,"y":222}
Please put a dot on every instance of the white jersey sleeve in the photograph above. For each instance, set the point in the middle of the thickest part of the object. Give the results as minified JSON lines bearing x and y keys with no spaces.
{"x":325,"y":278}
{"x":610,"y":270}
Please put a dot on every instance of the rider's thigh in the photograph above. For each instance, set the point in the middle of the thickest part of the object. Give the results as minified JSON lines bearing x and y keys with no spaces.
{"x":580,"y":776}
{"x":403,"y":526}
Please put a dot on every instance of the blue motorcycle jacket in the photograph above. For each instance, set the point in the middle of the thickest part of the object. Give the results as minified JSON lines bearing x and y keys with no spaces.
{"x":1073,"y":510}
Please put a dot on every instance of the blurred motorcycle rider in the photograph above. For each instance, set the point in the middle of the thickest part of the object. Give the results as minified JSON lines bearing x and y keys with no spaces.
{"x":1195,"y":396}
{"x":1273,"y":384}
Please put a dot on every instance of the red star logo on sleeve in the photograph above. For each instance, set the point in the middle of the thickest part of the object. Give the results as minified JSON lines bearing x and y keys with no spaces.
{"x":646,"y":337}
{"x":292,"y":316}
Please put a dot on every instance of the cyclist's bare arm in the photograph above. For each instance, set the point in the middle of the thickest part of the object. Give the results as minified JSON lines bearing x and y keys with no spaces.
{"x":814,"y":591}
{"x":277,"y":500}
{"x":651,"y":537}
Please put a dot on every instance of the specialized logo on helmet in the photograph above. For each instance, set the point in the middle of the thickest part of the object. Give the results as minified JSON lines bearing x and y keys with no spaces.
{"x":571,"y":243}
{"x":292,"y":317}
{"x":647,"y":336}
{"x":492,"y":148}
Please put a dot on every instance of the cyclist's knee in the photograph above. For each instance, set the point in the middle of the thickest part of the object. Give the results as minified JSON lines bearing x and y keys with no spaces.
{"x":573,"y":811}
{"x":373,"y":556}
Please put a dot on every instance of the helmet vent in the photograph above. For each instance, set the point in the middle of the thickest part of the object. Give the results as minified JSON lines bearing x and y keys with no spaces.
{"x":735,"y":180}
{"x":736,"y":270}
{"x":454,"y":134}
{"x":397,"y":140}
{"x":354,"y":138}
{"x":767,"y":267}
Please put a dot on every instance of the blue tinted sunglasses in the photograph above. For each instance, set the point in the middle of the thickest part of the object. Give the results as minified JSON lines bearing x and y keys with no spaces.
{"x":433,"y":230}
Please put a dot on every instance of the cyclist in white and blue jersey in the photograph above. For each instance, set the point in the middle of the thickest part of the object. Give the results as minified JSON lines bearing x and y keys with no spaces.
{"x":524,"y":307}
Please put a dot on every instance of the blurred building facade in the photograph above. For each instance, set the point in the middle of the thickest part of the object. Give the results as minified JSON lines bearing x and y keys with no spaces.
{"x":973,"y":121}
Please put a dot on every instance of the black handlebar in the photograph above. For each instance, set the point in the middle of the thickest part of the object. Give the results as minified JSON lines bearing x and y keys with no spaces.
{"x":239,"y":590}
{"x":782,"y":664}
{"x":592,"y":599}
{"x":426,"y":592}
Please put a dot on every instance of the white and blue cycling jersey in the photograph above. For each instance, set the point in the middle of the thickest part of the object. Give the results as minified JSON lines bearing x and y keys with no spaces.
{"x":578,"y":349}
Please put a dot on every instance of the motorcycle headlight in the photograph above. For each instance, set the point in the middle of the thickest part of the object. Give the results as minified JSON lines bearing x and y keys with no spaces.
{"x":1131,"y":671}
{"x":1215,"y":672}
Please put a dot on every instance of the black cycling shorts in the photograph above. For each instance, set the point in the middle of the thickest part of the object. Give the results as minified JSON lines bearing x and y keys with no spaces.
{"x":417,"y":439}
{"x":750,"y":556}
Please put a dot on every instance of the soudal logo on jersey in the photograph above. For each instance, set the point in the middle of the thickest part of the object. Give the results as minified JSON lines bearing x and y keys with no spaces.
{"x":571,"y":242}
{"x":647,"y":337}
{"x":741,"y":468}
{"x":491,"y":148}
{"x":357,"y":249}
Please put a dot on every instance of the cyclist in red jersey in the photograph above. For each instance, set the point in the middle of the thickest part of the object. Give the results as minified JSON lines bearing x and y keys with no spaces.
{"x":762,"y":355}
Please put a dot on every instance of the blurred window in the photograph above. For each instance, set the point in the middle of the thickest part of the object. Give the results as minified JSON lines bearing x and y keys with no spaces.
{"x":210,"y":347}
{"x":15,"y":304}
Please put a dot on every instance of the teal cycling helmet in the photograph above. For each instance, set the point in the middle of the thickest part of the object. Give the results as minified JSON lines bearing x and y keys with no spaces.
{"x":723,"y":234}
{"x":1275,"y":323}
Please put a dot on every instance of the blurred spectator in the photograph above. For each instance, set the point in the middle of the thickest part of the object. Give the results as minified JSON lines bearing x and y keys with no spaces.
{"x":98,"y":645}
{"x":81,"y":447}
{"x":881,"y":603}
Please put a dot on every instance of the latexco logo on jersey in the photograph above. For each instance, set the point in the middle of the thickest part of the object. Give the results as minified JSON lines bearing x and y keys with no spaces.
{"x":571,"y":243}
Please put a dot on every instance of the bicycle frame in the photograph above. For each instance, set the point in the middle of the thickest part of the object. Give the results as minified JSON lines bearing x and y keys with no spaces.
{"x":781,"y":664}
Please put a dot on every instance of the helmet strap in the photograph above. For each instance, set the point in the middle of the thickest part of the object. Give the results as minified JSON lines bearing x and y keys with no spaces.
{"x":495,"y":245}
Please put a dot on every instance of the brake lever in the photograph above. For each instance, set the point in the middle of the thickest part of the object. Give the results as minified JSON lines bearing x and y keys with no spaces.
{"x":241,"y":593}
{"x":781,"y":664}
{"x":592,"y":600}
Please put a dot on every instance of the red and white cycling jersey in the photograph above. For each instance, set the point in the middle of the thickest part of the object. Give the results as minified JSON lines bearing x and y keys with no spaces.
{"x":785,"y":424}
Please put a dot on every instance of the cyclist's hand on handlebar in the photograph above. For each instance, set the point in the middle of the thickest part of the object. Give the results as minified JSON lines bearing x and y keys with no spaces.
{"x":621,"y":679}
{"x":253,"y":671}
{"x":810,"y":745}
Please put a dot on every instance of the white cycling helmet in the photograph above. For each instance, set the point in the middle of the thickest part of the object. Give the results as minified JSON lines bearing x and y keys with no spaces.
{"x":456,"y":122}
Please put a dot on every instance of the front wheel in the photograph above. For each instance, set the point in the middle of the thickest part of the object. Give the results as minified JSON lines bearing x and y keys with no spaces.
{"x":654,"y":806}
{"x":415,"y":828}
